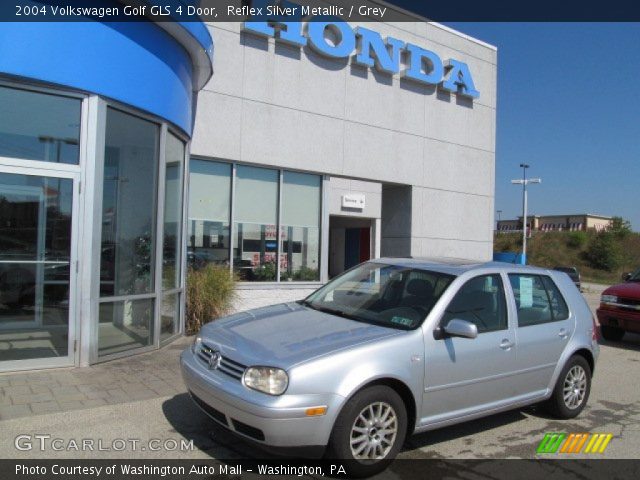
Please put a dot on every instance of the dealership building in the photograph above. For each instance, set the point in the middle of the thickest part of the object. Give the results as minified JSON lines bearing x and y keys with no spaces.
{"x":286,"y":153}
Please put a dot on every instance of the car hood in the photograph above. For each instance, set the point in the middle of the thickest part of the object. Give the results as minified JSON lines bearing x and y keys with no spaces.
{"x":626,"y":290}
{"x":287,"y":334}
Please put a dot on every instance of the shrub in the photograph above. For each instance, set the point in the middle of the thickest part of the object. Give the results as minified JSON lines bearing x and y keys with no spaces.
{"x":577,"y":240}
{"x":266,"y":272}
{"x":306,"y":274}
{"x":604,"y":252}
{"x":210,"y":295}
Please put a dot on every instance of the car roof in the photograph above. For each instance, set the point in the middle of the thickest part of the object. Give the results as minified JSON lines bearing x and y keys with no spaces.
{"x":454,"y":266}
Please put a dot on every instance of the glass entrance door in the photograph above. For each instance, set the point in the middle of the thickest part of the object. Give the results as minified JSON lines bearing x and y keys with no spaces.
{"x":36,"y":276}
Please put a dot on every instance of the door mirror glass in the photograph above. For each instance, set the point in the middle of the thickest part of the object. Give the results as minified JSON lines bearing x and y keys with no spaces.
{"x":461,"y":328}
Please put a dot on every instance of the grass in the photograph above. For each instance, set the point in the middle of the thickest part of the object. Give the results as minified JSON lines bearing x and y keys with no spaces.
{"x":550,"y":249}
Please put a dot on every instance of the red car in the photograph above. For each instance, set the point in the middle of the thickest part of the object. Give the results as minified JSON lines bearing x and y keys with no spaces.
{"x":619,"y":310}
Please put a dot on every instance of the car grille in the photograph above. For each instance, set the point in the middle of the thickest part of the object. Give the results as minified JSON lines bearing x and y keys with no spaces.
{"x":226,"y":365}
{"x":629,"y":303}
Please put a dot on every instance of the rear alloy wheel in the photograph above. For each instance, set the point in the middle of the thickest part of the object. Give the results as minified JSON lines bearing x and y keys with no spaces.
{"x":572,"y":389}
{"x":613,"y":334}
{"x":369,"y":431}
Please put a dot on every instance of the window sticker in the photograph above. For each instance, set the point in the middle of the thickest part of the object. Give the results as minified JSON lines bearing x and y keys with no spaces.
{"x":407,"y":322}
{"x":526,"y":292}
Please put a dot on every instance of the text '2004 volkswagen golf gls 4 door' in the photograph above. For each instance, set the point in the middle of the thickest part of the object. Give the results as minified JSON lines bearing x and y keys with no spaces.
{"x":393,"y":347}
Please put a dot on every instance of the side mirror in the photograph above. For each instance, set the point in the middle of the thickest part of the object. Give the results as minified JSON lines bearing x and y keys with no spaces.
{"x":461,"y":328}
{"x":626,"y":276}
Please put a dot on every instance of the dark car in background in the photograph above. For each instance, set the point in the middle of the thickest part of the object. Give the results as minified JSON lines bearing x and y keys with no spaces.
{"x":619,"y":310}
{"x":573,"y":273}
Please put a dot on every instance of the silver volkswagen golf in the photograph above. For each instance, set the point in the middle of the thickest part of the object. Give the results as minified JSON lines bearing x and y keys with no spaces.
{"x":394,"y":347}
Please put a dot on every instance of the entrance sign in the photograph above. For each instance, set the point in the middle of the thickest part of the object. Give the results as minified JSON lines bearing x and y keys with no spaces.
{"x":353,"y":200}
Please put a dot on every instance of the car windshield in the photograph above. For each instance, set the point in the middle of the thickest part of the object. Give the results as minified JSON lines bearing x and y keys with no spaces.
{"x":388,"y":295}
{"x":635,"y":276}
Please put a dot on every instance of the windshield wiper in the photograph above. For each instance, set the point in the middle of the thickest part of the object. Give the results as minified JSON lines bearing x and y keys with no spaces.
{"x":331,"y":311}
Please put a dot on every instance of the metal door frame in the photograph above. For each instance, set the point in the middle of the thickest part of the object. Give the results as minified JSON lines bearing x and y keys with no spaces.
{"x":70,"y":359}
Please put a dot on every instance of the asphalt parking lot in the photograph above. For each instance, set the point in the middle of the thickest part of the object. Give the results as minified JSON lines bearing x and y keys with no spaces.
{"x":614,"y":407}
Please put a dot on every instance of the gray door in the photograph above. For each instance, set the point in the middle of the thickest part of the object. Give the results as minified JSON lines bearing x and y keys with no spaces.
{"x":463,"y":376}
{"x":544,"y":328}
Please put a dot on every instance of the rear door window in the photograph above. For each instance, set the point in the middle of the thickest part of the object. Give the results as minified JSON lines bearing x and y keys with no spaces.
{"x":538,"y":300}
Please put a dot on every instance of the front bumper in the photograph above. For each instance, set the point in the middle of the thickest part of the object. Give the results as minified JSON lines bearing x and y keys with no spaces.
{"x":275,"y":421}
{"x":617,"y":317}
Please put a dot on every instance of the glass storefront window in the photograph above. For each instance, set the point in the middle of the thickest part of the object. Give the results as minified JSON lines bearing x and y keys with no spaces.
{"x":39,"y":126}
{"x":169,"y":315}
{"x":125,"y":325}
{"x":255,"y":232}
{"x":174,"y":154}
{"x":260,"y":240}
{"x":209,"y":212}
{"x":128,"y":207}
{"x":300,"y":227}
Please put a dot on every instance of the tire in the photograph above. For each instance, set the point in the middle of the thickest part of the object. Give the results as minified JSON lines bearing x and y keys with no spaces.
{"x":613,"y":334}
{"x":382,"y":405}
{"x":574,"y":383}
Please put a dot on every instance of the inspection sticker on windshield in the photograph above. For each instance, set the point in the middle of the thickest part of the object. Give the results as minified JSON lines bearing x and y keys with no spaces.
{"x":526,"y":292}
{"x":407,"y":322}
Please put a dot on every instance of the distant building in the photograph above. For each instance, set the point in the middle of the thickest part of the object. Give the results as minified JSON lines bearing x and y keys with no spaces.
{"x":557,"y":223}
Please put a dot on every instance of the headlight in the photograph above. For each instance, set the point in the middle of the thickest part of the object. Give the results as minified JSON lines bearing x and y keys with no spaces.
{"x":273,"y":381}
{"x":609,"y":299}
{"x":196,"y":343}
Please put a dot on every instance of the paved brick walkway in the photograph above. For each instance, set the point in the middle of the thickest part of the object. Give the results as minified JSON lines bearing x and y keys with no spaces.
{"x":141,"y":377}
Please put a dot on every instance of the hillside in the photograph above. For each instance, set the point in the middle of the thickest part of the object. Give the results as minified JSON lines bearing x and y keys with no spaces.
{"x":600,"y":257}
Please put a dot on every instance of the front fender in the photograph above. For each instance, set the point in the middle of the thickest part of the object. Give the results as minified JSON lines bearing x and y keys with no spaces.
{"x":399,"y":358}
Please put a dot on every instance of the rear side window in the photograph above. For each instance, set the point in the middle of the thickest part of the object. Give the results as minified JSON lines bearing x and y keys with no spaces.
{"x":480,"y":301}
{"x":559,"y":308}
{"x":538,"y":300}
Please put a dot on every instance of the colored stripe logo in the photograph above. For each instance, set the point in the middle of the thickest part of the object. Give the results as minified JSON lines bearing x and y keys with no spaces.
{"x":574,"y":443}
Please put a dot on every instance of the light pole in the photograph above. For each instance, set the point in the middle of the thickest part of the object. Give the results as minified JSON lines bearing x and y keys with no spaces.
{"x":524,"y":182}
{"x":499,"y":212}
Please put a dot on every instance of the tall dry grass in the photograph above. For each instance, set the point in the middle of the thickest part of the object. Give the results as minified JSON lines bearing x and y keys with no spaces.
{"x":210,"y":295}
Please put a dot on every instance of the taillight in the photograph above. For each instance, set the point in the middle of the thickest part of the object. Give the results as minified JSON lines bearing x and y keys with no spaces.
{"x":595,"y":333}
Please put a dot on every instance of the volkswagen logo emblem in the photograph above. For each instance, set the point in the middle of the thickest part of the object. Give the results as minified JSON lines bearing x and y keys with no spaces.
{"x":214,"y":360}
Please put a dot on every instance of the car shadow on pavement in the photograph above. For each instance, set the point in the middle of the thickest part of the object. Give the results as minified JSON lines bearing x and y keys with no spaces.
{"x":193,"y":424}
{"x":469,"y":429}
{"x":630,"y":341}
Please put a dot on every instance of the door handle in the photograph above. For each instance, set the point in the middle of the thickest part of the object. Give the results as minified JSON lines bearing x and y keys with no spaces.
{"x":506,"y":344}
{"x":563,"y":333}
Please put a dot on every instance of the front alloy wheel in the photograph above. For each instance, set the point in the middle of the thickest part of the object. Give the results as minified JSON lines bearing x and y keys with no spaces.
{"x":374,"y":432}
{"x":369,"y":431}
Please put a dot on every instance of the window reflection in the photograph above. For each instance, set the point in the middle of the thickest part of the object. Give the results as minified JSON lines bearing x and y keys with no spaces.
{"x":259,"y":243}
{"x":35,"y":255}
{"x":128,"y":207}
{"x":174,"y":153}
{"x":39,"y":126}
{"x":128,"y":235}
{"x":300,"y":230}
{"x":209,"y":210}
{"x":255,"y":231}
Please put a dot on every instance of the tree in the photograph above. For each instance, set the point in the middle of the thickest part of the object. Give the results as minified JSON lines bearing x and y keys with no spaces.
{"x":604,"y":252}
{"x":620,"y":227}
